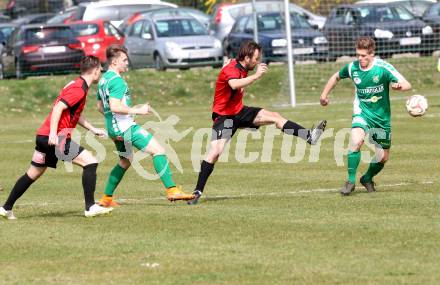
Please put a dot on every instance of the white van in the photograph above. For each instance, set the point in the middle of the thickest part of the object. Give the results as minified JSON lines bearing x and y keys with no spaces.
{"x":110,"y":10}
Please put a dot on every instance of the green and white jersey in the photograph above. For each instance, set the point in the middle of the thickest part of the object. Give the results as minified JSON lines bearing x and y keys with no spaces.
{"x":372,"y":100}
{"x":112,"y":85}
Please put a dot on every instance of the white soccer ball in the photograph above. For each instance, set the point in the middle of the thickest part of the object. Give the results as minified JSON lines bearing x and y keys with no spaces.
{"x":417,"y":105}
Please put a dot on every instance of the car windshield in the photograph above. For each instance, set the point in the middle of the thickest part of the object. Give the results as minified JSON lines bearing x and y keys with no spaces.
{"x":268,"y":22}
{"x":179,"y":28}
{"x":84,"y":29}
{"x":42,"y":35}
{"x":374,"y":14}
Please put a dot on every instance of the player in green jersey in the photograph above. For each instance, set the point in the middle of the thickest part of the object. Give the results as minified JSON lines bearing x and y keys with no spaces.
{"x":114,"y":101}
{"x":372,"y":78}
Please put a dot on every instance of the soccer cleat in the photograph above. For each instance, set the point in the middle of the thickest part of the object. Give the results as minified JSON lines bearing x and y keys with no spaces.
{"x":107,"y":202}
{"x":347,"y":189}
{"x":8,"y":215}
{"x":316,"y":132}
{"x":176,"y":193}
{"x":97,"y":210}
{"x":197,"y":194}
{"x":369,"y":185}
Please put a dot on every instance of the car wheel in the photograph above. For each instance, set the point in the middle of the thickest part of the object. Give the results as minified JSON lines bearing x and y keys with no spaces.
{"x":158,"y":63}
{"x":19,"y":71}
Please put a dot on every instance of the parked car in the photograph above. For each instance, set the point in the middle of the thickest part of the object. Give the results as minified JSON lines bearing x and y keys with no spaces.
{"x":96,"y":36}
{"x":37,"y":49}
{"x":417,"y":7}
{"x":4,"y":18}
{"x":33,"y":19}
{"x":113,"y":11}
{"x":308,"y":43}
{"x":225,"y":15}
{"x":393,"y":27}
{"x":17,"y":8}
{"x":182,"y":11}
{"x":170,"y":42}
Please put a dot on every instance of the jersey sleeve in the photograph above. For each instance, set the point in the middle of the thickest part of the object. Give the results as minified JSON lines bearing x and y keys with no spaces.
{"x":117,"y":88}
{"x":97,"y":95}
{"x":392,"y":74}
{"x":231,"y":73}
{"x":72,"y":96}
{"x":344,"y":71}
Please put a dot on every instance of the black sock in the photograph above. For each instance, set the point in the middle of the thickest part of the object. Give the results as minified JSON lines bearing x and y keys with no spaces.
{"x":20,"y":187}
{"x":89,"y":184}
{"x":206,"y":169}
{"x":292,"y":128}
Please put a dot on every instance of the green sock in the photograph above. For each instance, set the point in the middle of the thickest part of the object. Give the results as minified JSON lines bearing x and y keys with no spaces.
{"x":162,"y":167}
{"x":353,"y":162}
{"x":115,"y":177}
{"x":373,"y":170}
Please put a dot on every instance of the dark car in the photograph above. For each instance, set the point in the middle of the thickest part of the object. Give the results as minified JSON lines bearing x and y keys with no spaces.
{"x":33,"y":19}
{"x":432,"y":18}
{"x":307,"y":42}
{"x":37,"y":49}
{"x":393,"y":27}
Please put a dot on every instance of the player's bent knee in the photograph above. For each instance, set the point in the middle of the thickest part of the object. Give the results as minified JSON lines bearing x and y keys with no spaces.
{"x":35,"y":172}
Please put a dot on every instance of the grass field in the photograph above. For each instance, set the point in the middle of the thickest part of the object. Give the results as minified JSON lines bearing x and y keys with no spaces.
{"x":259,"y":223}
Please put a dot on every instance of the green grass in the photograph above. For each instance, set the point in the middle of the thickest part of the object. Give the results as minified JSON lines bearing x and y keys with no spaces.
{"x":259,"y":223}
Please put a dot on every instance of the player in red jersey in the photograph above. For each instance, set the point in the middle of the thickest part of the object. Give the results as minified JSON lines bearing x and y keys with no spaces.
{"x":54,"y":142}
{"x":229,"y":114}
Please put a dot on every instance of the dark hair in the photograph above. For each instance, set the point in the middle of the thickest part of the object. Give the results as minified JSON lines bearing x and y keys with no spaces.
{"x":89,"y":63}
{"x":113,"y":51}
{"x":366,"y":43}
{"x":247,"y":49}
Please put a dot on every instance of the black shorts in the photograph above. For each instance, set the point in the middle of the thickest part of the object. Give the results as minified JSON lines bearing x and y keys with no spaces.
{"x":225,"y":126}
{"x":46,"y":155}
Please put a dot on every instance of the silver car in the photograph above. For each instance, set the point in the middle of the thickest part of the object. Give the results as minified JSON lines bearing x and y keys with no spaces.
{"x":166,"y":41}
{"x":225,"y":15}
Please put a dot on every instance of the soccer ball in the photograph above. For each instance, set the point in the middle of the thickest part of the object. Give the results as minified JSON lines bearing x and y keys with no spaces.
{"x":417,"y":105}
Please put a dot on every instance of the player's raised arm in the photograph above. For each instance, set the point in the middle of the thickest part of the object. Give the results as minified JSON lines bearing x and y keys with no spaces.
{"x":243,"y":82}
{"x":331,"y":83}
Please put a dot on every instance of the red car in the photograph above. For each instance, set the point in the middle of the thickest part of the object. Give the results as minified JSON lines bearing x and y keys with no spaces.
{"x":96,"y":36}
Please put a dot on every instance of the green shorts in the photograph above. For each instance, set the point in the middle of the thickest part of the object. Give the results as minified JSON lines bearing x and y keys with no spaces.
{"x":134,"y":136}
{"x":377,"y":135}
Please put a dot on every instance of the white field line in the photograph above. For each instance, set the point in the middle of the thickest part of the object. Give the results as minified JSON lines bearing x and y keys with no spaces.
{"x":213,"y":197}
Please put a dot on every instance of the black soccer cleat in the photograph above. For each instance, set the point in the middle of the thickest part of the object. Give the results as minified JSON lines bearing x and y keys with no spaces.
{"x":197,"y":194}
{"x":369,"y":185}
{"x":347,"y":188}
{"x":316,"y":132}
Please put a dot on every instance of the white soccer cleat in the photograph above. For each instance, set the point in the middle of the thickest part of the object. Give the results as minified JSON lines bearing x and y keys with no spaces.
{"x":7,"y":214}
{"x":316,"y":132}
{"x":97,"y":210}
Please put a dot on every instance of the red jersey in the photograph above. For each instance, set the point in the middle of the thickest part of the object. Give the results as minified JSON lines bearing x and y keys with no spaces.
{"x":226,"y":100}
{"x":74,"y":95}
